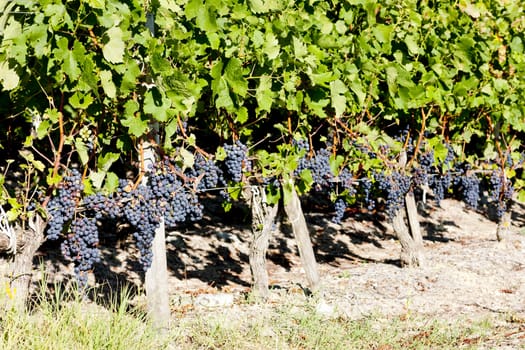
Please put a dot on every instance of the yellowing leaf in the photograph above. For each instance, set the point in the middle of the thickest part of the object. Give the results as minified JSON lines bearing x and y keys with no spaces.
{"x":98,"y":4}
{"x":113,"y":51}
{"x":271,"y":46}
{"x":8,"y":77}
{"x":106,"y":79}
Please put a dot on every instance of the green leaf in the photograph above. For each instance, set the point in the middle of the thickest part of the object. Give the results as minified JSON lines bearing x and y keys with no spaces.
{"x":223,"y":98}
{"x":233,"y":73}
{"x":97,"y":4}
{"x":264,"y":6}
{"x":335,"y":163}
{"x":516,"y":45}
{"x":412,"y":45}
{"x":307,"y":178}
{"x":105,"y":161}
{"x":241,"y":115}
{"x":97,"y":178}
{"x":170,"y":129}
{"x":383,"y":33}
{"x":130,"y":76}
{"x":156,"y":104}
{"x":8,"y":77}
{"x":82,"y":151}
{"x":43,"y":129}
{"x":220,"y":154}
{"x":299,"y":48}
{"x":133,"y":120}
{"x":264,"y":94}
{"x":112,"y":182}
{"x":106,"y":79}
{"x":521,"y":196}
{"x":52,"y":180}
{"x":271,"y":46}
{"x":337,"y":92}
{"x":287,"y":187}
{"x":357,"y":89}
{"x":204,"y":15}
{"x":64,"y":54}
{"x":113,"y":50}
{"x":30,"y":159}
{"x":188,"y":159}
{"x":80,"y":101}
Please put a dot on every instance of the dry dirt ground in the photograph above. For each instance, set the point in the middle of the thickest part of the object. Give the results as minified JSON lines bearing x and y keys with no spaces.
{"x":468,"y":274}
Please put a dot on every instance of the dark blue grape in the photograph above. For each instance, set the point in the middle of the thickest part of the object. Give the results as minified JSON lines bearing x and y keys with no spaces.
{"x":501,"y":191}
{"x":366,"y":187}
{"x":81,"y":247}
{"x":236,"y":160}
{"x":469,"y":186}
{"x":339,"y":208}
{"x":61,"y":207}
{"x":395,"y":186}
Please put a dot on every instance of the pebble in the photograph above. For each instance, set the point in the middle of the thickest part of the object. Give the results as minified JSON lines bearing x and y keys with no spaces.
{"x":214,"y":300}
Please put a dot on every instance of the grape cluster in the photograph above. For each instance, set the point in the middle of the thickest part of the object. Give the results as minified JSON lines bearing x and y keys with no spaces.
{"x":339,"y":208}
{"x":143,"y":214}
{"x":208,"y":174}
{"x":441,"y":182}
{"x":424,"y":170}
{"x":366,"y":187}
{"x":236,"y":160}
{"x":319,"y":165}
{"x":61,"y":207}
{"x":405,"y":139}
{"x":440,"y":185}
{"x":81,"y":246}
{"x":100,"y":206}
{"x":345,"y":179}
{"x":501,"y":191}
{"x":86,"y":135}
{"x":469,"y":185}
{"x":395,"y":185}
{"x":450,"y":158}
{"x":175,"y":199}
{"x":302,"y":145}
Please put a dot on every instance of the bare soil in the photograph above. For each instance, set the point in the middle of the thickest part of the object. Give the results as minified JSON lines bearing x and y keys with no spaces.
{"x":468,"y":274}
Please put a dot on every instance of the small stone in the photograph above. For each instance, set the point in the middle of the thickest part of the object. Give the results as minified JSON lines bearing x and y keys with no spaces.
{"x":324,"y":309}
{"x":214,"y":300}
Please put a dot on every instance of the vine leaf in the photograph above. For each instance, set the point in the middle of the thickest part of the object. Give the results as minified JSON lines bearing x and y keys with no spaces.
{"x":264,"y":94}
{"x":113,"y":51}
{"x":8,"y":77}
{"x":63,"y":53}
{"x":106,"y":79}
{"x":157,"y":105}
{"x":82,"y":151}
{"x":97,"y":4}
{"x":133,"y":120}
{"x":264,"y":6}
{"x":337,"y":92}
{"x":271,"y":46}
{"x":234,"y":77}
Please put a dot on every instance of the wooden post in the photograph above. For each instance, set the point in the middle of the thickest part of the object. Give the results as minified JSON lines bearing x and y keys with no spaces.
{"x":294,"y":211}
{"x":413,"y":219}
{"x":156,"y":279}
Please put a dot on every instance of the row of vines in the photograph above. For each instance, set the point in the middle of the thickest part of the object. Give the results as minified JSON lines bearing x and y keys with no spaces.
{"x":371,"y":104}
